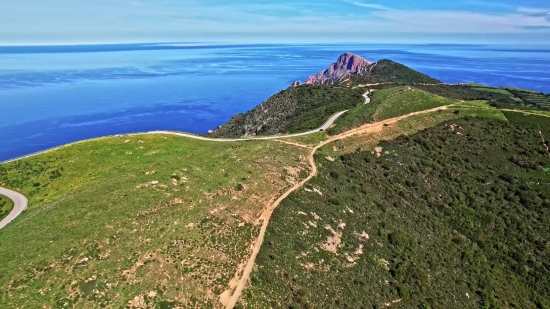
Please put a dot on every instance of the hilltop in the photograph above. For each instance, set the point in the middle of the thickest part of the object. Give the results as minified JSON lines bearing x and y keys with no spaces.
{"x":350,"y":66}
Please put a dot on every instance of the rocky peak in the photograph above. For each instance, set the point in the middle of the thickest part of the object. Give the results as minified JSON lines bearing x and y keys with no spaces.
{"x":351,"y":62}
{"x":346,"y":65}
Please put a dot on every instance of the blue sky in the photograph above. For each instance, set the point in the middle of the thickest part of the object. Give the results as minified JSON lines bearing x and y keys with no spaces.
{"x":282,"y":21}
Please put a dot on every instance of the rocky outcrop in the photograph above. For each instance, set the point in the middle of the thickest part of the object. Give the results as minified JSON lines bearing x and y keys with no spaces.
{"x":348,"y":64}
{"x":296,"y":83}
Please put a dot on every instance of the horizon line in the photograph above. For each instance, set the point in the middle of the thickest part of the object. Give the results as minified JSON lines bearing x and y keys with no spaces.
{"x":206,"y":44}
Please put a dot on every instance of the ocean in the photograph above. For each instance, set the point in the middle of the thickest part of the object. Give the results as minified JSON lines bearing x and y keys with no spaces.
{"x":54,"y":95}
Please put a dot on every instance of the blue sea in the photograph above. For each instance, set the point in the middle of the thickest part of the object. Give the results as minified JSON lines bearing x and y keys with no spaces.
{"x":53,"y":95}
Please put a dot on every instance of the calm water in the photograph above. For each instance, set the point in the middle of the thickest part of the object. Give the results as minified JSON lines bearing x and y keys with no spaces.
{"x":51,"y":96}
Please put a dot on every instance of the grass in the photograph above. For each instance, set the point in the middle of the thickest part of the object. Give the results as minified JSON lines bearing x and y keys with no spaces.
{"x":311,"y":140}
{"x":6,"y":205}
{"x":477,"y":103}
{"x":408,"y":126}
{"x":408,"y":102}
{"x":159,"y":219}
{"x":390,"y":103}
{"x":384,"y":93}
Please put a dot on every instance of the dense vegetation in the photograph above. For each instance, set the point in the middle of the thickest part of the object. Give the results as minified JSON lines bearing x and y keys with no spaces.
{"x":467,"y":93}
{"x":6,"y":206}
{"x":456,"y":216}
{"x":389,"y":103}
{"x":385,"y":71}
{"x":296,"y":109}
{"x":512,"y":96}
{"x":146,"y":221}
{"x":532,"y":98}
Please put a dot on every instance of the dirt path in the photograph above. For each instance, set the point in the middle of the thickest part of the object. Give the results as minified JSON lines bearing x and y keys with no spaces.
{"x":229,"y":301}
{"x":544,"y":141}
{"x":293,"y":144}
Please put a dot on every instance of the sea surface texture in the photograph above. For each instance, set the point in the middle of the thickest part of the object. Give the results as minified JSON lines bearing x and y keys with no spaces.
{"x":53,"y":95}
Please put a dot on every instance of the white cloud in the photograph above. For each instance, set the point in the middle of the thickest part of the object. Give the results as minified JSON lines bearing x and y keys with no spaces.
{"x":369,"y":5}
{"x":181,"y":20}
{"x":533,"y":11}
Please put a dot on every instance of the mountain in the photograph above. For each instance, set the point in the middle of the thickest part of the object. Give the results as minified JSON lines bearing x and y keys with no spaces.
{"x":346,"y":65}
{"x":350,"y":66}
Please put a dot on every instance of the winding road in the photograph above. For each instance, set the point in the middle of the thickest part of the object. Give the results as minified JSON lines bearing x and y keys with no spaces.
{"x":244,"y":139}
{"x":20,"y":203}
{"x":325,"y":126}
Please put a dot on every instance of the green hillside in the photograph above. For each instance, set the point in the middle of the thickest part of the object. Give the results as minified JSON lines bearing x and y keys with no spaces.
{"x":389,"y":103}
{"x":160,"y":221}
{"x":456,"y":216}
{"x":293,"y":110}
{"x":514,"y":96}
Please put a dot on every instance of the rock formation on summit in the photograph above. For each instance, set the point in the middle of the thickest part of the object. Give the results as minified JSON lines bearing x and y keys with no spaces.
{"x":347,"y":65}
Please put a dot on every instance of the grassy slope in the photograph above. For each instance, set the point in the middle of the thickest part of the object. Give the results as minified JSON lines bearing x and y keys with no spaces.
{"x":381,"y":94}
{"x":6,"y":206}
{"x":454,"y":221}
{"x":387,"y":104}
{"x":410,"y":126}
{"x":100,"y":232}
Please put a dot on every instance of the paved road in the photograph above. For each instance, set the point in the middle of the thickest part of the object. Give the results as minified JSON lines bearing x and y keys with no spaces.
{"x":203,"y":138}
{"x":366,"y":96}
{"x":213,"y":139}
{"x":20,"y":203}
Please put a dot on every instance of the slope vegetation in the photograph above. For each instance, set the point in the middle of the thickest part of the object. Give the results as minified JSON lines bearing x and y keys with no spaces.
{"x":385,"y":71}
{"x":512,"y":96}
{"x":293,"y":110}
{"x":456,"y":216}
{"x":389,"y":103}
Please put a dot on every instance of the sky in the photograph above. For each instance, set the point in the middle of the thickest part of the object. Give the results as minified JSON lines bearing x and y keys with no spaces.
{"x":37,"y":22}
